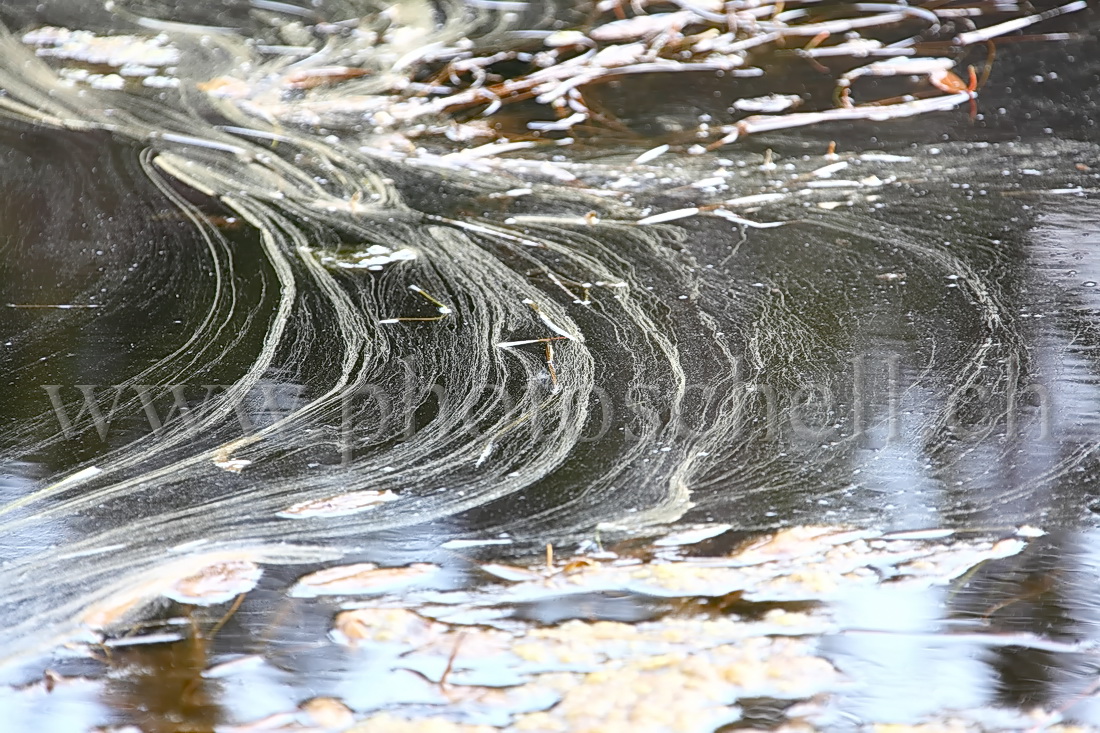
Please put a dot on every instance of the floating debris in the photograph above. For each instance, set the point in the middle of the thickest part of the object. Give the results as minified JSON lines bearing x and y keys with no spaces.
{"x":651,"y":154}
{"x":769,"y":103}
{"x":360,"y":578}
{"x":327,"y":713}
{"x":918,"y":534}
{"x":217,"y":583}
{"x":143,"y":639}
{"x":679,"y":674}
{"x":511,"y":573}
{"x":373,"y":258}
{"x":693,"y":535}
{"x":669,"y":216}
{"x":462,"y":544}
{"x":384,"y":626}
{"x":234,"y":666}
{"x":730,"y":216}
{"x":117,"y":51}
{"x":199,"y":580}
{"x":443,"y":310}
{"x":340,"y":505}
{"x":796,"y":564}
{"x":54,"y":306}
{"x":233,"y":465}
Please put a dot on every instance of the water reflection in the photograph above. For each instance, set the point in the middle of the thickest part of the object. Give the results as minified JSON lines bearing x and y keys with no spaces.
{"x":164,"y":688}
{"x":1037,"y":652}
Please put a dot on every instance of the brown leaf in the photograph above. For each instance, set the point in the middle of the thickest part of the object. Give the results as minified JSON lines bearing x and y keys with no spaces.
{"x":216,"y":583}
{"x":362,"y":577}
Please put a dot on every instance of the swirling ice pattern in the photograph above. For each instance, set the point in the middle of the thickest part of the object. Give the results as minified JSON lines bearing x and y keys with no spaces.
{"x":613,"y":314}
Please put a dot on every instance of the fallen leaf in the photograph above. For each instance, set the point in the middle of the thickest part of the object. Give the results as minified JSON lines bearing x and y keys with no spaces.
{"x":216,"y":583}
{"x":362,"y":577}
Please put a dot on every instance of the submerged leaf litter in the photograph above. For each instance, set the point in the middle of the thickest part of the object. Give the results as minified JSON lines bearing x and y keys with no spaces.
{"x":685,"y":637}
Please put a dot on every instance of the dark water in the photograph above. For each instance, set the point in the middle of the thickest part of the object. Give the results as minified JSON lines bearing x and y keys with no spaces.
{"x":914,"y":348}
